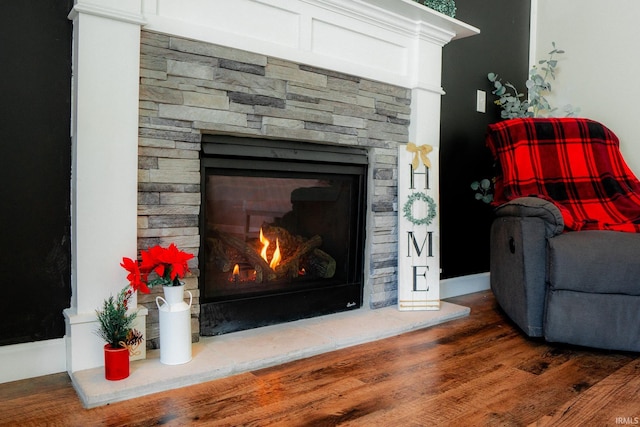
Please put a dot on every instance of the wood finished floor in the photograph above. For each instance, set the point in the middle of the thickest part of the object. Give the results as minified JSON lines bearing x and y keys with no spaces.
{"x":475,"y":371}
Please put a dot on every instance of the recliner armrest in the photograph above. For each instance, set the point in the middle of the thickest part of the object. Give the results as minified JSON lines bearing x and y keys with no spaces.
{"x":534,"y":207}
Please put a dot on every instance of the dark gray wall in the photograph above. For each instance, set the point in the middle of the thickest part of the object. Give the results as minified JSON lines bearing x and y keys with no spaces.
{"x":503,"y":48}
{"x":35,"y":79}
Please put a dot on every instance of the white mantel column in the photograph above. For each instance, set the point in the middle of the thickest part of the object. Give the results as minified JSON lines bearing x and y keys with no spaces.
{"x":106,"y":55}
{"x":419,"y":269}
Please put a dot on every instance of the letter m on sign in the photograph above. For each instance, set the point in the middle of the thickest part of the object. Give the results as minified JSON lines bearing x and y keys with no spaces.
{"x":412,"y":243}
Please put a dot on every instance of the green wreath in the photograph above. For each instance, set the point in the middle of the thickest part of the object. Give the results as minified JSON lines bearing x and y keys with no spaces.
{"x":407,"y":209}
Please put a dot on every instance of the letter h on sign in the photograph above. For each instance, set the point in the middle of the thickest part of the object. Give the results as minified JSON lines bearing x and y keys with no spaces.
{"x":413,"y":177}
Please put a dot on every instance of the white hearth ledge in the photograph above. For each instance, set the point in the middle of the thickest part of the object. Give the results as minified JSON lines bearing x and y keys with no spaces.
{"x":225,"y":355}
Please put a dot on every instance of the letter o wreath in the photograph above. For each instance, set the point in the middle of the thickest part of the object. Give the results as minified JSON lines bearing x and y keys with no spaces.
{"x":407,"y":209}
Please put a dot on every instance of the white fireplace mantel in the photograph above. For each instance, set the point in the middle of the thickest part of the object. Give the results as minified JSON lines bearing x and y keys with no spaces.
{"x":394,"y":41}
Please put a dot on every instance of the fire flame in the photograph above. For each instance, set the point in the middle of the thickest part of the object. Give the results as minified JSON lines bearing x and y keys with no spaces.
{"x":276,"y":258}
{"x":265,"y":244}
{"x":235,"y":276}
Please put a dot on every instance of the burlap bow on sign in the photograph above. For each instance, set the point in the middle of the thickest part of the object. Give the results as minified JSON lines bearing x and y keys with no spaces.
{"x":421,"y":152}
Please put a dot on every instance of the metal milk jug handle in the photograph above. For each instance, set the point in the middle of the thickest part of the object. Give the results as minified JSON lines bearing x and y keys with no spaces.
{"x":166,"y":304}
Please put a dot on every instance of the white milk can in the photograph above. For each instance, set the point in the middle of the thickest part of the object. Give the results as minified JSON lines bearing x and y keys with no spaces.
{"x":175,"y":326}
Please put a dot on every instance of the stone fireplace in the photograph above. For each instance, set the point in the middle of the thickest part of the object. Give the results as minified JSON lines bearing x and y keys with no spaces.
{"x":191,"y":89}
{"x":152,"y":78}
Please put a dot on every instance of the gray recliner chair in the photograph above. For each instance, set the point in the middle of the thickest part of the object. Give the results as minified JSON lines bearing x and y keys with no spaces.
{"x":576,"y":287}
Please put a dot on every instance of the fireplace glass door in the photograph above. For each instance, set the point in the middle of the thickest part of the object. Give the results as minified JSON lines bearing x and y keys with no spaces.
{"x":283,"y":232}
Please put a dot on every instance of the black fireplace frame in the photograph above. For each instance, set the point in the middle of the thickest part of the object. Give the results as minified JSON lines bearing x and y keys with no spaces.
{"x":224,"y":315}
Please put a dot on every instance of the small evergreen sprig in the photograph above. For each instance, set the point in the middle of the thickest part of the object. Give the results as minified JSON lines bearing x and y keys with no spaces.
{"x":115,"y":323}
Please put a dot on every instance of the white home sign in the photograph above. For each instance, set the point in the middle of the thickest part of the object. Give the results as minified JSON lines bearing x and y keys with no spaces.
{"x":418,"y":235}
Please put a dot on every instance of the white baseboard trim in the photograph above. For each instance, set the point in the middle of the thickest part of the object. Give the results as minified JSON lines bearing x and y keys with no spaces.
{"x":34,"y":359}
{"x":464,"y":285}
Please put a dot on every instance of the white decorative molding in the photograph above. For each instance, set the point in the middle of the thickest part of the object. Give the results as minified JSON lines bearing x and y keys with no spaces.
{"x":106,"y":12}
{"x":389,"y":57}
{"x":384,"y":40}
{"x":401,"y":16}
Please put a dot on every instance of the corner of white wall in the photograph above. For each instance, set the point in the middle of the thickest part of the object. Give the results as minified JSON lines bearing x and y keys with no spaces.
{"x":597,"y":73}
{"x":533,"y":32}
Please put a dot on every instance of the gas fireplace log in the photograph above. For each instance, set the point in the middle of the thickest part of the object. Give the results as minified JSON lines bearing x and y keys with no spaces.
{"x":289,"y":269}
{"x":287,"y":240}
{"x":318,"y":262}
{"x":321,"y":264}
{"x":290,"y":265}
{"x":249,"y":252}
{"x":218,"y":254}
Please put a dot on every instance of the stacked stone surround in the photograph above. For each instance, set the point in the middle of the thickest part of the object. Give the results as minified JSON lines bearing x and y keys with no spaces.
{"x":190,"y":88}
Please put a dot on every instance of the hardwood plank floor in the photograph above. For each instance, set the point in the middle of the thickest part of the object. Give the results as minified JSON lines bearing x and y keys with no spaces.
{"x":475,"y":371}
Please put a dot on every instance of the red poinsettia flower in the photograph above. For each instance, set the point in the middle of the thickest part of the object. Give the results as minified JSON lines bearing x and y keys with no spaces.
{"x":170,"y":264}
{"x":135,"y":277}
{"x":177,"y":259}
{"x":153,"y":260}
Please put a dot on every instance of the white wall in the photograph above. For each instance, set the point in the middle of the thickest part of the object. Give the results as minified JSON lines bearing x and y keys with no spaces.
{"x":599,"y":71}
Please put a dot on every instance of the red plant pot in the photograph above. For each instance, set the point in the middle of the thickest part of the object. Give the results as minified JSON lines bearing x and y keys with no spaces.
{"x":116,"y":363}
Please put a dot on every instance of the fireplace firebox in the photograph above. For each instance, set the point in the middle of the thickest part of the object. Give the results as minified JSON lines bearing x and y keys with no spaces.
{"x":282,"y":226}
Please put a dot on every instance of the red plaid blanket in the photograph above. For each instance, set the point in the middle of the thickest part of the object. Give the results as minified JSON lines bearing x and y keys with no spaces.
{"x":574,"y":163}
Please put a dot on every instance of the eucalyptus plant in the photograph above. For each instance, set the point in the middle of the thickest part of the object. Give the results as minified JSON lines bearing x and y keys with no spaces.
{"x":483,"y":189}
{"x":513,"y":102}
{"x":509,"y":99}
